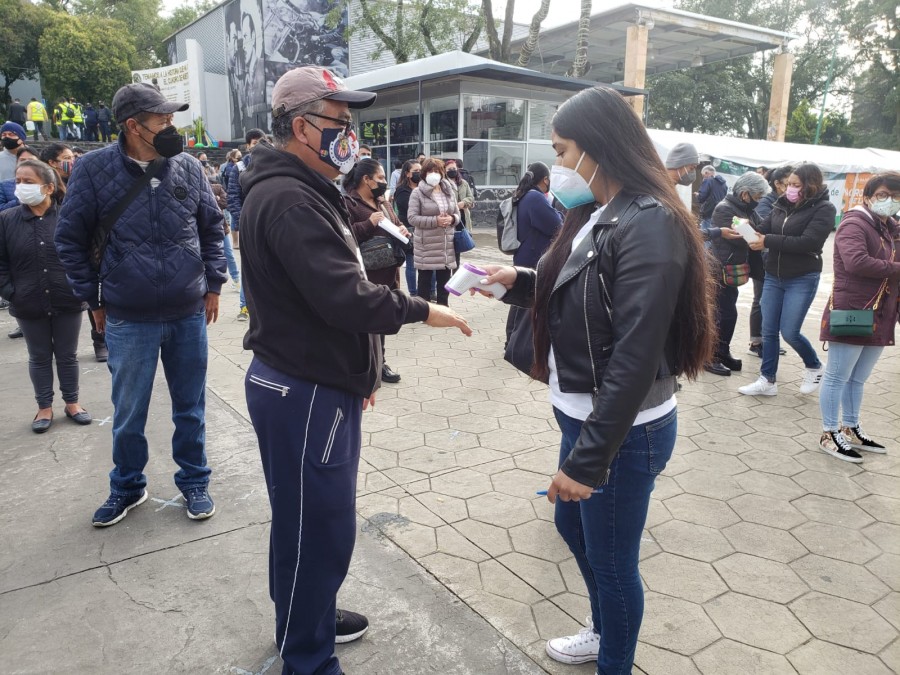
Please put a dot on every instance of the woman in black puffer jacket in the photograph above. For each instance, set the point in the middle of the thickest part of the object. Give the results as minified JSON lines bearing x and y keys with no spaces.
{"x":748,"y":190}
{"x":794,"y":234}
{"x":34,"y":282}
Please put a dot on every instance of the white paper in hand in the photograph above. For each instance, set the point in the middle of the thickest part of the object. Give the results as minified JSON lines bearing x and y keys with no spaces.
{"x":745,"y":229}
{"x":393,"y":230}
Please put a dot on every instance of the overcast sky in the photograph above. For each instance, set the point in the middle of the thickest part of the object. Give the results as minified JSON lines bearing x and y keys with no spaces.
{"x":561,"y":11}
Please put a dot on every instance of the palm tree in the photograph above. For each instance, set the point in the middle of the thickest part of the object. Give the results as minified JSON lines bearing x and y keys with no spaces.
{"x":579,"y":65}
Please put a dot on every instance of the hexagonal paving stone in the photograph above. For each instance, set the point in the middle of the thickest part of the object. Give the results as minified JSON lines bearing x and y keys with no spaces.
{"x":767,"y":511}
{"x":701,"y":511}
{"x":677,"y":625}
{"x":490,"y":538}
{"x":417,"y":540}
{"x":763,"y":541}
{"x":654,"y":661}
{"x":519,"y":483}
{"x":836,"y":542}
{"x":758,"y":623}
{"x":772,"y":462}
{"x":887,"y":568}
{"x":419,"y":394}
{"x":823,"y":658}
{"x":761,"y":578}
{"x":682,"y":578}
{"x":833,"y":511}
{"x":705,"y":460}
{"x":506,"y":441}
{"x":709,"y":484}
{"x":524,"y":424}
{"x":377,"y":421}
{"x":451,"y":440}
{"x":881,"y":508}
{"x":539,"y":539}
{"x":450,"y":509}
{"x":463,"y":395}
{"x":769,"y":485}
{"x":846,"y":623}
{"x":476,"y":424}
{"x":501,"y":510}
{"x":422,"y":422}
{"x":879,"y":484}
{"x":830,"y":485}
{"x":543,"y":461}
{"x":445,"y":406}
{"x":725,"y":428}
{"x":541,"y":575}
{"x":453,"y":543}
{"x":727,"y":656}
{"x":463,"y":483}
{"x":692,"y":541}
{"x":885,"y":535}
{"x":397,"y":439}
{"x":427,"y":460}
{"x":478,"y":457}
{"x":836,"y":577}
{"x":816,"y":460}
{"x":665,"y":487}
{"x":787,"y":447}
{"x":455,"y":573}
{"x":889,"y":608}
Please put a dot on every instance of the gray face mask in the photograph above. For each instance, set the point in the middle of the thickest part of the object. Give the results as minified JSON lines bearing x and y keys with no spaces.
{"x":688,"y":178}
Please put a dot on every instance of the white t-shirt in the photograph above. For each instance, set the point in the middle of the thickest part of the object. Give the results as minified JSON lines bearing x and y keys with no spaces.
{"x":580,"y":406}
{"x":154,"y":182}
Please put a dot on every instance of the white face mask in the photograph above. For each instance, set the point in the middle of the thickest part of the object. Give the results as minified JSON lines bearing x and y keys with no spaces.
{"x":885,"y":207}
{"x":29,"y":193}
{"x":433,"y":179}
{"x":569,"y":187}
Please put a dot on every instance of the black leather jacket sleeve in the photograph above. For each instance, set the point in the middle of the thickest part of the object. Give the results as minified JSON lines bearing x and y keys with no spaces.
{"x":649,"y":259}
{"x":522,"y":292}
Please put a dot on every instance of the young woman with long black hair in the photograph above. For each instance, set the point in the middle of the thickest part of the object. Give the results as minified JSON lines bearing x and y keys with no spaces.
{"x":622,"y":306}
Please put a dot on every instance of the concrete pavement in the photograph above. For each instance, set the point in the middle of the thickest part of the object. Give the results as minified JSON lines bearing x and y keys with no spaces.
{"x":761,"y":554}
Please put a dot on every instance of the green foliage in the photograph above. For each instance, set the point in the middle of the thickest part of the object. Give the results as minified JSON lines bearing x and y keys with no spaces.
{"x":140,"y":17}
{"x":413,"y":29}
{"x":21,"y":24}
{"x":86,"y":57}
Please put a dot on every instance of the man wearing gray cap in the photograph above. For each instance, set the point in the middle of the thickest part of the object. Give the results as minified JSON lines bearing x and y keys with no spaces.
{"x":140,"y":236}
{"x":681,"y":163}
{"x":315,"y":322}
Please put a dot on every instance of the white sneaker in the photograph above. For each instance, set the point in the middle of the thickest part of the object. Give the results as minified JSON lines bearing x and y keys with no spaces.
{"x":581,"y":648}
{"x":762,"y":387}
{"x":812,"y":378}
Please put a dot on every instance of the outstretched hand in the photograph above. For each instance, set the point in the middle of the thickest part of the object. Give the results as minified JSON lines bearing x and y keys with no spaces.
{"x":444,"y":317}
{"x":502,"y":274}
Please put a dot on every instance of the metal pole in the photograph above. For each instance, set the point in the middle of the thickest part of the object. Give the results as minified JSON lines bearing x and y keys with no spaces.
{"x":421,"y":120}
{"x":825,"y":93}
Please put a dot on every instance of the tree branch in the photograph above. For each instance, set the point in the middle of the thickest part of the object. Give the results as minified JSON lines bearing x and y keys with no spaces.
{"x":487,"y":9}
{"x":376,"y":28}
{"x":469,"y":44}
{"x":507,"y":30}
{"x":426,"y":29}
{"x":534,"y":32}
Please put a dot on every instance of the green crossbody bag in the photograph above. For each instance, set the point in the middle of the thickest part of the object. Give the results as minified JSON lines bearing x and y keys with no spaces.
{"x":856,"y":322}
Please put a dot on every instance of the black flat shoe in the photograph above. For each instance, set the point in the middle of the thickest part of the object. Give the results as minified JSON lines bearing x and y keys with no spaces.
{"x":83,"y":417}
{"x":15,"y":333}
{"x":40,"y":426}
{"x":101,"y":353}
{"x":731,"y":363}
{"x":388,"y":375}
{"x":717,"y":368}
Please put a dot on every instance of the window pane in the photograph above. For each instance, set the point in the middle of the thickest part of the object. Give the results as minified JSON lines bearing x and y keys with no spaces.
{"x":373,"y":126}
{"x":444,"y":118}
{"x":403,"y":153}
{"x":493,"y":118}
{"x":540,"y":116}
{"x":494,"y":164}
{"x":404,"y":123}
{"x":445,"y":150}
{"x":540,"y":152}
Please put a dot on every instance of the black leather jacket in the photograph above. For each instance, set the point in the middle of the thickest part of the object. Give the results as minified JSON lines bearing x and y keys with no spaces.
{"x":610,"y":315}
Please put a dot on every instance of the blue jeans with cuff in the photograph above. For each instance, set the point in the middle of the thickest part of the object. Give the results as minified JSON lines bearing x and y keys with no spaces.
{"x":785,"y":303}
{"x":135,"y":348}
{"x":604,"y":534}
{"x":841,"y":393}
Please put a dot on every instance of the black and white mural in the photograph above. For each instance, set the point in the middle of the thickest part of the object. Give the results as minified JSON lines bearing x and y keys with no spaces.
{"x":246,"y":56}
{"x":297,"y":33}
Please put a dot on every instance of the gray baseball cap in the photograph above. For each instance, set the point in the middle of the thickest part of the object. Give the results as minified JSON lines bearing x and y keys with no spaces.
{"x":142,"y":97}
{"x":304,"y":85}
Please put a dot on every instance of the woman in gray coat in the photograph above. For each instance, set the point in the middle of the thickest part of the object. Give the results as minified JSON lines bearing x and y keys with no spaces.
{"x":434,"y":212}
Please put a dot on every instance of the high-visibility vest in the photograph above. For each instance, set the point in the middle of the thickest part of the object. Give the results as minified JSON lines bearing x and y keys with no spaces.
{"x":79,"y":115}
{"x":36,"y":111}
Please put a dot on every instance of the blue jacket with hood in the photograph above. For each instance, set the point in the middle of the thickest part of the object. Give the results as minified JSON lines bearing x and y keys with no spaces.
{"x":165,"y":251}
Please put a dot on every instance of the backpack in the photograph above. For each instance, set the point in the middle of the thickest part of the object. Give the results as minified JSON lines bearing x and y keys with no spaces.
{"x":507,"y":227}
{"x":70,"y":112}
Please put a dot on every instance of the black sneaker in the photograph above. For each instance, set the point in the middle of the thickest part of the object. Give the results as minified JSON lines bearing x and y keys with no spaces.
{"x":834,"y":443}
{"x":15,"y":333}
{"x":199,"y":504}
{"x":755,"y":349}
{"x":716,"y":368}
{"x":860,"y":441}
{"x":115,"y":508}
{"x":388,"y":375}
{"x":101,"y":353}
{"x":349,"y":626}
{"x":4,"y":304}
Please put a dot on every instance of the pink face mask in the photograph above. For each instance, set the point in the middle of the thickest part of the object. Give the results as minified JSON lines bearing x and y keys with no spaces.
{"x":792,"y":194}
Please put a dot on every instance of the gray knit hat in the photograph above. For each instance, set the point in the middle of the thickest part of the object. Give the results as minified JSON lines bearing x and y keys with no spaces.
{"x":683,"y":154}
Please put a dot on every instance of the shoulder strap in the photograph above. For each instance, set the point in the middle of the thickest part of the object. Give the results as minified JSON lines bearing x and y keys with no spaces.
{"x":100,"y":236}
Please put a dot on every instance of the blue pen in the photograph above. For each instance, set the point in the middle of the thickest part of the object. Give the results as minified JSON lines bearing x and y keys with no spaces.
{"x":543,"y":493}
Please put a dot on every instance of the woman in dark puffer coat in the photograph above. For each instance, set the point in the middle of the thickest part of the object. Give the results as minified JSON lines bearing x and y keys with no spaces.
{"x":866,"y":274}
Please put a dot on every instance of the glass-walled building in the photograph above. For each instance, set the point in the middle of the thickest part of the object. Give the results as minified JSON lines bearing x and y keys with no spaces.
{"x":495,"y":117}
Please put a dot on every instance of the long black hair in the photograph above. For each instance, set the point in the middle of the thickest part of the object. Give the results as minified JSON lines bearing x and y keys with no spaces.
{"x":52,"y":151}
{"x":365,"y":168}
{"x":602,"y":124}
{"x":778,"y":175}
{"x":535,"y":174}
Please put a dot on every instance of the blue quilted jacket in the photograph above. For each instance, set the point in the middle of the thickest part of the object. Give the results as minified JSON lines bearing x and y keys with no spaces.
{"x":235,"y":194}
{"x":8,"y":197}
{"x":164,"y":252}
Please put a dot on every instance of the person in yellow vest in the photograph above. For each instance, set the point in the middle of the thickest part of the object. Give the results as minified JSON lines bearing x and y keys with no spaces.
{"x":64,"y":115}
{"x":37,"y":113}
{"x":78,"y":119}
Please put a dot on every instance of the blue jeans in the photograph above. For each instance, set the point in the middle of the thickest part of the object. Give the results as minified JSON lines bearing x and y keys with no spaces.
{"x":785,"y":303}
{"x":840,"y":396}
{"x":411,"y":277}
{"x":604,"y":534}
{"x":134,"y":349}
{"x":233,"y":270}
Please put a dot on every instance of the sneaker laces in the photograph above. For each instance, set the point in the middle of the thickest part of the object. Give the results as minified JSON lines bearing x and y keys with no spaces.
{"x":861,"y":435}
{"x":842,"y":444}
{"x":113,"y":501}
{"x":198,"y":493}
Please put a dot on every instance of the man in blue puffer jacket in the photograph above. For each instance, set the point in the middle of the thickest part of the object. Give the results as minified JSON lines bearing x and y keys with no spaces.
{"x":156,"y":290}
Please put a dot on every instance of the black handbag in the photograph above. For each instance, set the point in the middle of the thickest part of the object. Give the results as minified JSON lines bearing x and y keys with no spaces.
{"x":520,"y":347}
{"x":378,"y":253}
